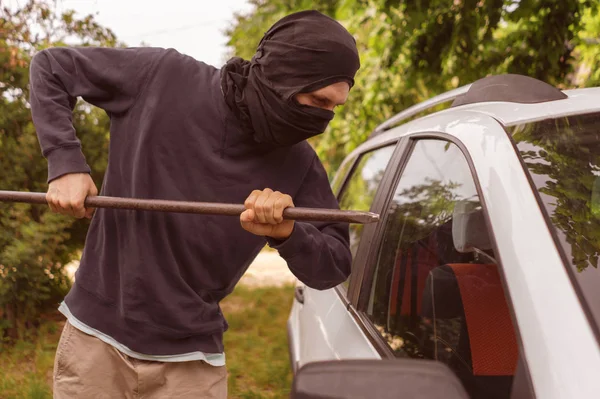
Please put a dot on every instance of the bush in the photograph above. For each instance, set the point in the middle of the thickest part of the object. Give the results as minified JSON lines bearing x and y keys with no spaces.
{"x":36,"y":244}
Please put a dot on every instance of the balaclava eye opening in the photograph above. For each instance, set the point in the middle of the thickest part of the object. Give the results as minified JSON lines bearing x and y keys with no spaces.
{"x":302,"y":52}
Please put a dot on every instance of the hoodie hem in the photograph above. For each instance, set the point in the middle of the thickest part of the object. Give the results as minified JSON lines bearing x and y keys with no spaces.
{"x":138,"y":336}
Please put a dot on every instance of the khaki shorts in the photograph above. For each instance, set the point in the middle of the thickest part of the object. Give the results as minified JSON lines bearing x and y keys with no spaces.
{"x":86,"y":367}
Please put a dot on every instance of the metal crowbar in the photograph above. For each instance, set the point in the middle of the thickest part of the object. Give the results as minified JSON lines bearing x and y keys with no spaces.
{"x":206,"y":208}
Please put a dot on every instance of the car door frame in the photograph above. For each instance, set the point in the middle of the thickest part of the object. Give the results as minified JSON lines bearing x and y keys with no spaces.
{"x":340,"y":292}
{"x":411,"y":140}
{"x":360,"y":296}
{"x":350,"y":296}
{"x":370,"y":230}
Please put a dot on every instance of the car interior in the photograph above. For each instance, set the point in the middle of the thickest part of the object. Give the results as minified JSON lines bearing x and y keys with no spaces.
{"x":447,"y":303}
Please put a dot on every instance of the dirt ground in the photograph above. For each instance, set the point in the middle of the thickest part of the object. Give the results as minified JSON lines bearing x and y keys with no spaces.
{"x":268,"y":269}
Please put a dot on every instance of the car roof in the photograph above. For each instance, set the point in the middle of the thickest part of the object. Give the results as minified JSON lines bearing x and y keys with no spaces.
{"x":578,"y":101}
{"x":510,"y":99}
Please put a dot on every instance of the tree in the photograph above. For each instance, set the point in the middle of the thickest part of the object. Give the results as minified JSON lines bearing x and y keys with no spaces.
{"x":413,"y":50}
{"x":588,"y":51}
{"x":35,"y":243}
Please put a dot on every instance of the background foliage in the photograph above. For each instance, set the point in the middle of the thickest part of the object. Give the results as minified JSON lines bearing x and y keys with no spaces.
{"x":412,"y":50}
{"x":35,"y":244}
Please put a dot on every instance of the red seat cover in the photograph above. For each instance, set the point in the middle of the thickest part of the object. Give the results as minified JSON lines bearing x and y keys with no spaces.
{"x":494,"y":350}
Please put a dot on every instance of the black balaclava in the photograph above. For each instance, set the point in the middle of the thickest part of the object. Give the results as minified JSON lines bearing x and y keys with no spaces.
{"x":302,"y":52}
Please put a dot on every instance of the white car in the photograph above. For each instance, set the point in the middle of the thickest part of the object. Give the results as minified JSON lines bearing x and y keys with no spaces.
{"x":484,"y":266}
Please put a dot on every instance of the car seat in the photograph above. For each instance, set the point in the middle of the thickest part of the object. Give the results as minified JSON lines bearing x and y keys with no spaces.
{"x":413,"y":263}
{"x":471,"y":329}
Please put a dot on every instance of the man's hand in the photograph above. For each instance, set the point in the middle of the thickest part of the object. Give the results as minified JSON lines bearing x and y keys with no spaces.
{"x":67,"y":194}
{"x":264,"y":214}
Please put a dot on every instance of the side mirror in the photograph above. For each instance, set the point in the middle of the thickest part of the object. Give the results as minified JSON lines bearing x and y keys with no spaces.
{"x":381,"y":379}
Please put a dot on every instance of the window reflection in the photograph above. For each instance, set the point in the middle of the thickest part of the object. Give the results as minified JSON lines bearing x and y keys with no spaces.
{"x":360,"y":189}
{"x":562,"y":157}
{"x":436,"y":291}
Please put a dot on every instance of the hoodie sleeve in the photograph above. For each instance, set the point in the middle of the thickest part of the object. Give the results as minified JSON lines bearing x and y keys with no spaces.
{"x":318,"y":253}
{"x":109,"y":78}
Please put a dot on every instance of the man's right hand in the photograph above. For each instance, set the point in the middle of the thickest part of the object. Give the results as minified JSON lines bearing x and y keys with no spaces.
{"x":67,"y":194}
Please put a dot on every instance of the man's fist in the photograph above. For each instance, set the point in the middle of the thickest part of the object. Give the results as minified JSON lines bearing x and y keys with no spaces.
{"x":67,"y":194}
{"x":264,"y":214}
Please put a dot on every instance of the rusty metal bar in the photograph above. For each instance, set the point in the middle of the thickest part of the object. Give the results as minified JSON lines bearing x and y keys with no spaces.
{"x":207,"y":208}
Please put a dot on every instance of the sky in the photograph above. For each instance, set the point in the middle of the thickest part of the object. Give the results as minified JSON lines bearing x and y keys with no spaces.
{"x":193,"y":27}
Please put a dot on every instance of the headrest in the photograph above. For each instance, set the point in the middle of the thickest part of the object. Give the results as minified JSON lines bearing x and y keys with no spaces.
{"x":468,"y":227}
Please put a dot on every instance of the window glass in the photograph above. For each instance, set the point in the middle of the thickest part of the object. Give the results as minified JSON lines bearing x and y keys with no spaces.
{"x":360,"y":188}
{"x":339,"y":177}
{"x":435,"y":291}
{"x":562,"y":157}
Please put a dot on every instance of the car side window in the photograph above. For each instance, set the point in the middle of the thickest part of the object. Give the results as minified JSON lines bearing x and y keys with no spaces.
{"x":360,"y":187}
{"x":435,"y":290}
{"x":339,"y":178}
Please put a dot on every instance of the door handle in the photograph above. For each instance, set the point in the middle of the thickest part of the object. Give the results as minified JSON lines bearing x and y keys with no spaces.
{"x":299,"y":294}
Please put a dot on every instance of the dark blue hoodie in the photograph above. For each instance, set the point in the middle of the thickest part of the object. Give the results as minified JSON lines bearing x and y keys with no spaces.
{"x":150,"y":280}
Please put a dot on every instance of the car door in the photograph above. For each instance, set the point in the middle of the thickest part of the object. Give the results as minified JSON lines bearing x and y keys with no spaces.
{"x":432,"y":287}
{"x":320,"y":325}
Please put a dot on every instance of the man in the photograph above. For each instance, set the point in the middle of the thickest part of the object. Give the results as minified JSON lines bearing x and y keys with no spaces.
{"x":143,"y":314}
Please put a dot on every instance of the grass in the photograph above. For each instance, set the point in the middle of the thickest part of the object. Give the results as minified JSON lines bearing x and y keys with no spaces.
{"x":255,"y":346}
{"x":256,"y":343}
{"x":27,"y":366}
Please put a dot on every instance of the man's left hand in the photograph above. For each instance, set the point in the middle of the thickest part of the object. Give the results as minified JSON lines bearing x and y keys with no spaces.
{"x":264,"y":214}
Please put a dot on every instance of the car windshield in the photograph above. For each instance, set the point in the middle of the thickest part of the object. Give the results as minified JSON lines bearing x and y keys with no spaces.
{"x":562,"y":156}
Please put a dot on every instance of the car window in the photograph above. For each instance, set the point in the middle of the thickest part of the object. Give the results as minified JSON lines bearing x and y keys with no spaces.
{"x":562,"y":157}
{"x":360,"y":188}
{"x":340,"y":176}
{"x":435,"y":289}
